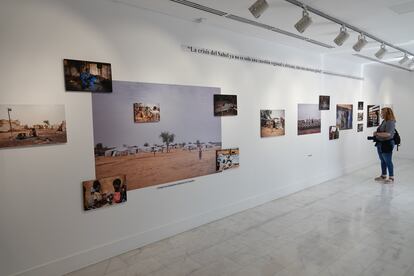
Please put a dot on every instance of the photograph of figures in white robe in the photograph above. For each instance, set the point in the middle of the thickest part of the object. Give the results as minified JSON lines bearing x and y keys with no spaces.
{"x":180,"y":146}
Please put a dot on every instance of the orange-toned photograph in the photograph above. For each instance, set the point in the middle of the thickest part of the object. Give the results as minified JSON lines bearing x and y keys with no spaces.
{"x":272,"y":123}
{"x":146,"y":113}
{"x":227,"y":159}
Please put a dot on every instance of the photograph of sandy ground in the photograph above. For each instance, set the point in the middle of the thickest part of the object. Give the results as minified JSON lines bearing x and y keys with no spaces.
{"x":145,"y":169}
{"x":180,"y":146}
{"x":270,"y":131}
{"x":32,"y":125}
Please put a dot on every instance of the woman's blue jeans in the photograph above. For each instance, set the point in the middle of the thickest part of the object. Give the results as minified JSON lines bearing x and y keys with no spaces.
{"x":386,"y":161}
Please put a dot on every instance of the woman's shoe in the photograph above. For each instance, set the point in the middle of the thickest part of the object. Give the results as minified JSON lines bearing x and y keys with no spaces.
{"x":389,"y":181}
{"x":380,"y":178}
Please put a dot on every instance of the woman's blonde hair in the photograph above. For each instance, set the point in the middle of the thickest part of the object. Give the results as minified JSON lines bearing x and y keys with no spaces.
{"x":388,"y":114}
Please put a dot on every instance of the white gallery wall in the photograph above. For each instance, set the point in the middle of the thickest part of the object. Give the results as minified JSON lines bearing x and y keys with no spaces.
{"x":44,"y":230}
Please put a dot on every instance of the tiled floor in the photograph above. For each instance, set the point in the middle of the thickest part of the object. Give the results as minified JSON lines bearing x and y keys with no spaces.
{"x":348,"y":226}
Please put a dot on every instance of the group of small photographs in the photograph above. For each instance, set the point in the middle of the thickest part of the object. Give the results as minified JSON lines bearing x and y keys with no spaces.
{"x":333,"y":132}
{"x":32,"y":125}
{"x":373,"y":115}
{"x":146,"y":113}
{"x":227,"y":159}
{"x":272,"y":123}
{"x":104,"y":192}
{"x":225,"y":105}
{"x":324,"y":102}
{"x":309,"y":119}
{"x":87,"y":76}
{"x":344,"y":116}
{"x":360,"y":126}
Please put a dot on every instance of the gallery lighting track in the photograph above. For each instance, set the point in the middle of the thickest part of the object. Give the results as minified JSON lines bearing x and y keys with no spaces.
{"x":250,"y":22}
{"x":383,"y":62}
{"x":363,"y":34}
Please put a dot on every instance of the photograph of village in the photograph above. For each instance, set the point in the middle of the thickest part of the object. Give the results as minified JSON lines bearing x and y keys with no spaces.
{"x":87,"y":76}
{"x":227,"y":159}
{"x":333,"y":132}
{"x":309,"y":119}
{"x":180,"y":146}
{"x":360,"y":116}
{"x":31,"y":125}
{"x":146,"y":113}
{"x":324,"y":102}
{"x":374,"y":116}
{"x":225,"y":105}
{"x":344,"y":116}
{"x":104,"y":192}
{"x":272,"y":123}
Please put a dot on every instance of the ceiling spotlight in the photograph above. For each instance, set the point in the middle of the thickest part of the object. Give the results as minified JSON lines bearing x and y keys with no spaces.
{"x":362,"y":41}
{"x":342,"y":36}
{"x":411,"y":64}
{"x":404,"y":59}
{"x":304,"y":22}
{"x":381,"y":52}
{"x":258,"y":8}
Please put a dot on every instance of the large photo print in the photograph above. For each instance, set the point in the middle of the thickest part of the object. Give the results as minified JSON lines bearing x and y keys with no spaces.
{"x":181,"y":145}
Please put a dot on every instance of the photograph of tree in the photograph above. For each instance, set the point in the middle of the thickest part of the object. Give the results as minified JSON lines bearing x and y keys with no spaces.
{"x":32,"y":125}
{"x":344,"y":116}
{"x":309,"y":119}
{"x":87,"y":76}
{"x":180,"y":146}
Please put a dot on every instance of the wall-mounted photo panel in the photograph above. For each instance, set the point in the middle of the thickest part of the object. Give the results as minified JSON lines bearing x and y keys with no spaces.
{"x":360,"y":105}
{"x":146,"y":113}
{"x":324,"y":102}
{"x":360,"y":127}
{"x":373,"y":116}
{"x":333,"y":132}
{"x":104,"y":192}
{"x":180,"y":146}
{"x":360,"y":116}
{"x":225,"y":105}
{"x":32,"y":125}
{"x":344,"y":116}
{"x":309,"y":119}
{"x":227,"y":159}
{"x":87,"y":76}
{"x":272,"y":123}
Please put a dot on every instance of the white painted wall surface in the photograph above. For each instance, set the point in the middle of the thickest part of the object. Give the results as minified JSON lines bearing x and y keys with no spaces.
{"x":44,"y":230}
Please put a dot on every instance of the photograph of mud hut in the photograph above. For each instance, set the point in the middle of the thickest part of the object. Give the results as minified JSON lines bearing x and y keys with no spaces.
{"x":180,"y":146}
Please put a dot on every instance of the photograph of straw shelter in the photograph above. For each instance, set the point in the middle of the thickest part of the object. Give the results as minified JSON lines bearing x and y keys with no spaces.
{"x":344,"y":116}
{"x":225,"y":105}
{"x":104,"y":192}
{"x":87,"y":76}
{"x":309,"y":119}
{"x":373,"y":118}
{"x":272,"y":123}
{"x":180,"y":146}
{"x":227,"y":159}
{"x":31,"y":125}
{"x":146,"y":113}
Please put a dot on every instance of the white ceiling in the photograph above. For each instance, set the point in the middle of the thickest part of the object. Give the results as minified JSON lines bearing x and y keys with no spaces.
{"x":390,"y":20}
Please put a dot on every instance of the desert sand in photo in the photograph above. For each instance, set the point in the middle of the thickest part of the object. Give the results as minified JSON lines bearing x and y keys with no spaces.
{"x":144,"y":169}
{"x":270,"y":132}
{"x":45,"y":136}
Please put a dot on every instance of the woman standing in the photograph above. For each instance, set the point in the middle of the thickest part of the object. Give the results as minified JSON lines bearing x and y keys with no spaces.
{"x":385,"y":145}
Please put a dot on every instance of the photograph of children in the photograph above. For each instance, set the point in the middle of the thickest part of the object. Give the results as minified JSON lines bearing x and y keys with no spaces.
{"x":360,"y":127}
{"x":225,"y":105}
{"x":309,"y":119}
{"x":87,"y":76}
{"x":272,"y":123}
{"x":180,"y":146}
{"x":373,"y":118}
{"x":146,"y":113}
{"x":227,"y":159}
{"x":360,"y":116}
{"x":360,"y":105}
{"x":104,"y":192}
{"x":333,"y":132}
{"x":344,"y":116}
{"x":324,"y":102}
{"x":32,"y":125}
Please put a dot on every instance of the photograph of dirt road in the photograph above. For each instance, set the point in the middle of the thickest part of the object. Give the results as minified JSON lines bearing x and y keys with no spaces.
{"x":180,"y":146}
{"x":31,"y":125}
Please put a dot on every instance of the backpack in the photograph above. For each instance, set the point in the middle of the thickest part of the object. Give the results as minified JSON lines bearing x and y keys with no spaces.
{"x":397,"y":139}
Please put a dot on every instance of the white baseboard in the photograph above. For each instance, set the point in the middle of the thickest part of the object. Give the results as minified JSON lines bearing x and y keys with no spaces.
{"x":114,"y":248}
